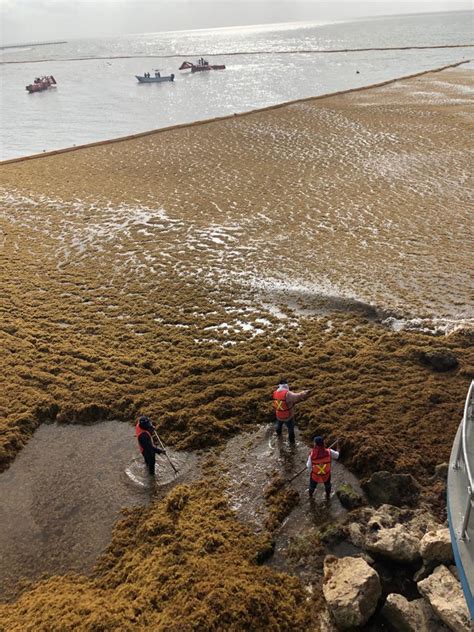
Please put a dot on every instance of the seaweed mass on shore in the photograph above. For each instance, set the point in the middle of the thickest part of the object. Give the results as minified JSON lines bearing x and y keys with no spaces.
{"x":179,"y":274}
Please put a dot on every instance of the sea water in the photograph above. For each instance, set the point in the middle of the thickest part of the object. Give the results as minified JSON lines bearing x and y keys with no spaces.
{"x":98,"y":97}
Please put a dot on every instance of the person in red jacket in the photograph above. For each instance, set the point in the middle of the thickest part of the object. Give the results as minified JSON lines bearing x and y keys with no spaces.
{"x":143,"y":432}
{"x":284,"y":402}
{"x":319,"y":465}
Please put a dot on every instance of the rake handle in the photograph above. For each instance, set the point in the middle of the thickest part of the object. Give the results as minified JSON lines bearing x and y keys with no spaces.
{"x":164,"y":450}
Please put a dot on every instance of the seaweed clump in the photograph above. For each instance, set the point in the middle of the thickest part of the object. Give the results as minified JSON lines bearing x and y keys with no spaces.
{"x":182,"y":563}
{"x":280,"y":499}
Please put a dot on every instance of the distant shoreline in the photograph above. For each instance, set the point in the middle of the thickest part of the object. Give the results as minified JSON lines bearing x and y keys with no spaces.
{"x":31,"y":44}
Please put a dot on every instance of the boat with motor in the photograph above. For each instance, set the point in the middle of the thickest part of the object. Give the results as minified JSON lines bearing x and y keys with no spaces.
{"x":41,"y":83}
{"x":202,"y":65}
{"x":157,"y":78}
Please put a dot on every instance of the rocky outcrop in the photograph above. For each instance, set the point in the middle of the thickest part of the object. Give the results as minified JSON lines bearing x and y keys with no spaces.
{"x":435,"y":547}
{"x":348,"y":497}
{"x":351,"y":589}
{"x":411,"y":616}
{"x":392,"y":489}
{"x":397,"y":543}
{"x":390,"y":531}
{"x":445,"y":596}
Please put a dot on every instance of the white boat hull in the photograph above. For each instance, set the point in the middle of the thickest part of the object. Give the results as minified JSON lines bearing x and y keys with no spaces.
{"x":160,"y":79}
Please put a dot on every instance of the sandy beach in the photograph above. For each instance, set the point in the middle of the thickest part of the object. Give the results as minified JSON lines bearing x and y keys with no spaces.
{"x":180,"y":273}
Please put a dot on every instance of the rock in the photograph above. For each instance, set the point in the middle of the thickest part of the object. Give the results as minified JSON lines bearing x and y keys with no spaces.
{"x":348,"y":497}
{"x":325,"y":620}
{"x":383,"y":517}
{"x":421,"y":522}
{"x":446,"y":598}
{"x":441,"y":471}
{"x":393,"y":489}
{"x":331,"y":533}
{"x":422,"y":573}
{"x":411,"y":616}
{"x":355,"y":534}
{"x":351,"y":589}
{"x":435,"y":547}
{"x":397,"y":543}
{"x":440,"y":359}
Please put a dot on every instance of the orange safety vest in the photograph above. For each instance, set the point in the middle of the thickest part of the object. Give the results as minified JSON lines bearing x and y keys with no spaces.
{"x":138,"y":432}
{"x":282,"y":410}
{"x":321,"y":466}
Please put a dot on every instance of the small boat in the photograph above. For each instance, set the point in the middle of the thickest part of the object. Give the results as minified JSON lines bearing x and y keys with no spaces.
{"x":201,"y":66}
{"x":158,"y":78}
{"x":41,"y":83}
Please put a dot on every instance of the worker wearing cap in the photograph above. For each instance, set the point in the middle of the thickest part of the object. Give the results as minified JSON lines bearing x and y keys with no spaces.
{"x":284,"y":402}
{"x":319,"y":466}
{"x":143,"y":432}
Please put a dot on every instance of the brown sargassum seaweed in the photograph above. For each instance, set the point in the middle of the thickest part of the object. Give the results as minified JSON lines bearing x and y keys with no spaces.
{"x":107,"y":313}
{"x":185,"y":563}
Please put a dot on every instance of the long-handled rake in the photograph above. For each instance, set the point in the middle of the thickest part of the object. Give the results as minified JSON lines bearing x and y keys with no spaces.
{"x":164,"y":450}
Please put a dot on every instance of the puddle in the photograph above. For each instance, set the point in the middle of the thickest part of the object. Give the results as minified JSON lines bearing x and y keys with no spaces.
{"x":251,"y":460}
{"x":63,"y":493}
{"x":65,"y":490}
{"x":165,"y":473}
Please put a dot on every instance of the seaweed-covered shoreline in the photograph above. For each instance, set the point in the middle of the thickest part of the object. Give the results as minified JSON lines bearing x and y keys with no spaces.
{"x":180,"y":275}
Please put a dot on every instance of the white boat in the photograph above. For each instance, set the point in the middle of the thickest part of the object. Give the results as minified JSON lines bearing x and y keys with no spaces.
{"x":158,"y":78}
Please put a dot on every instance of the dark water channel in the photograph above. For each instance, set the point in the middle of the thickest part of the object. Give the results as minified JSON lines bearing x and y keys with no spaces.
{"x":62,"y":495}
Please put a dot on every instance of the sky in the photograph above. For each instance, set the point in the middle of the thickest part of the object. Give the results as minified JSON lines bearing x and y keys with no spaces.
{"x":24,"y":21}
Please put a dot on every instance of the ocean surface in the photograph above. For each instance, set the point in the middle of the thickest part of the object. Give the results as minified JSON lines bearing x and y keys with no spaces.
{"x":98,"y":97}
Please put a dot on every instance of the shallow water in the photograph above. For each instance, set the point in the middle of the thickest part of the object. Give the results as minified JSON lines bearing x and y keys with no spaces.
{"x":99,"y":98}
{"x":253,"y":458}
{"x":61,"y":497}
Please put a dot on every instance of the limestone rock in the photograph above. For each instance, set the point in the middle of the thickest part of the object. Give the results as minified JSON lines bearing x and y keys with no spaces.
{"x":411,"y":616}
{"x":348,"y":497}
{"x":397,"y":543}
{"x":435,"y":547}
{"x":421,"y":522}
{"x":422,"y":573}
{"x":393,"y":489}
{"x":351,"y":589}
{"x":445,"y":595}
{"x":325,"y":620}
{"x":355,"y":534}
{"x":383,"y":517}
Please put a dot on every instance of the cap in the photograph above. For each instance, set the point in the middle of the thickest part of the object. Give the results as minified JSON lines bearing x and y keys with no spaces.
{"x":283,"y":380}
{"x":318,"y":440}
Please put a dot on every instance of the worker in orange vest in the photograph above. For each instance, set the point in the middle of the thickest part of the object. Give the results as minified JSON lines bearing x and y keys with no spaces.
{"x":319,"y":465}
{"x":284,"y":402}
{"x":143,"y":432}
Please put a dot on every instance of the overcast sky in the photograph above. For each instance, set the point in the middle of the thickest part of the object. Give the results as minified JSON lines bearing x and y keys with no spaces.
{"x":43,"y":20}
